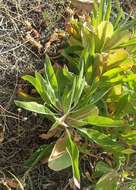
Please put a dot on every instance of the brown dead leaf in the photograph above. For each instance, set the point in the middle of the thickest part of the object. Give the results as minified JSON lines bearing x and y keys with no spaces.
{"x":11,"y":183}
{"x":57,"y":150}
{"x":77,"y":137}
{"x":48,"y":135}
{"x":54,"y":37}
{"x":36,"y":33}
{"x":88,"y":176}
{"x":45,"y":160}
{"x":53,"y":133}
{"x":109,"y":161}
{"x":82,"y":5}
{"x":34,"y":42}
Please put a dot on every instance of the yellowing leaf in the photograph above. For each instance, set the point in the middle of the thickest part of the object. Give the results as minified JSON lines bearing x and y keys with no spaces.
{"x":126,"y":66}
{"x":117,"y":39}
{"x":105,"y":30}
{"x":59,"y":158}
{"x":117,"y":56}
{"x":117,"y":89}
{"x":22,"y":93}
{"x":103,"y":34}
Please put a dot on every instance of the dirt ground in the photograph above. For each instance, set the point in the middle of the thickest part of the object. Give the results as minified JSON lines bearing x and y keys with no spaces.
{"x":19,"y":131}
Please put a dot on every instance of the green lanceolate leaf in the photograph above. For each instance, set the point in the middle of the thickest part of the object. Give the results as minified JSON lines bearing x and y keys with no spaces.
{"x":102,"y":168}
{"x":102,"y":139}
{"x":46,"y":89}
{"x":108,"y":182}
{"x":42,"y":87}
{"x":80,"y":84}
{"x":68,"y":96}
{"x":30,"y":79}
{"x":101,"y":11}
{"x":112,"y":72}
{"x":104,"y":121}
{"x":121,"y":106}
{"x":42,"y":152}
{"x":83,"y":112}
{"x":63,"y":77}
{"x":119,"y":15}
{"x":72,"y":95}
{"x":117,"y":39}
{"x":34,"y":107}
{"x":130,"y":137}
{"x":117,"y":57}
{"x":108,"y":11}
{"x":88,"y":39}
{"x":104,"y":33}
{"x":50,"y":74}
{"x":129,"y":151}
{"x":73,"y":151}
{"x":72,"y":122}
{"x":37,"y":84}
{"x":100,"y":92}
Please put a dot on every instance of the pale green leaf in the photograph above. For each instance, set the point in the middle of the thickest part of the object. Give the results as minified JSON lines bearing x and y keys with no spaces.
{"x":108,"y":182}
{"x":117,"y":57}
{"x":103,"y":121}
{"x":73,"y":151}
{"x":50,"y":74}
{"x":104,"y":32}
{"x":101,"y":11}
{"x":102,"y":168}
{"x":59,"y":158}
{"x":117,"y":39}
{"x":85,"y":111}
{"x":108,"y":10}
{"x":46,"y":90}
{"x":34,"y":107}
{"x":102,"y":139}
{"x":129,"y":151}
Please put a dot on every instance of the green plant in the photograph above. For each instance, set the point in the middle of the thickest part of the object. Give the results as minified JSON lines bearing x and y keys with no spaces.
{"x":68,"y":102}
{"x":92,"y":103}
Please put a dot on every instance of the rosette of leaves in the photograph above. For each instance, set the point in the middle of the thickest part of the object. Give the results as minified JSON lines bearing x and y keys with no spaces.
{"x":70,"y":104}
